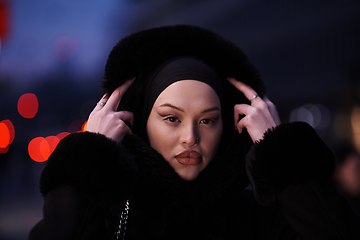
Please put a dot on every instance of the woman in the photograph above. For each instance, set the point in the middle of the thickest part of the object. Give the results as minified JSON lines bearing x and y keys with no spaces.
{"x":169,"y":153}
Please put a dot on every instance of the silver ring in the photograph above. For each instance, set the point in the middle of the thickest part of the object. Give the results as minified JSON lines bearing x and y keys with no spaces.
{"x":253,"y":97}
{"x":102,"y":104}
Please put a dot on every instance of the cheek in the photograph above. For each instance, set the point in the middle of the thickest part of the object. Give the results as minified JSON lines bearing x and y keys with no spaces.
{"x":160,"y":138}
{"x":212,"y":141}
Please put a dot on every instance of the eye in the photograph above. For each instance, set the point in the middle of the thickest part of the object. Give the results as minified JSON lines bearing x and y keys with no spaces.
{"x":206,"y":121}
{"x":171,"y":119}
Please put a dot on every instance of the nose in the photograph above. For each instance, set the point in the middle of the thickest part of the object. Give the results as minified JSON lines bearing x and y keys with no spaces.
{"x":190,"y":136}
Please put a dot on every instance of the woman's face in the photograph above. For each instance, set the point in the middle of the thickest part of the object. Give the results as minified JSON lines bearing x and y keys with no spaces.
{"x":185,"y":126}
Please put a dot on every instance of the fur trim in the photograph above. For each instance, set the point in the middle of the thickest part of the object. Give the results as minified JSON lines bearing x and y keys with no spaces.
{"x":93,"y":164}
{"x":289,"y":154}
{"x":163,"y":197}
{"x":137,"y":172}
{"x":138,"y":54}
{"x":224,"y":176}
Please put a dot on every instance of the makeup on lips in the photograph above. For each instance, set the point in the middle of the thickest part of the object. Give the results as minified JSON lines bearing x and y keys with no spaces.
{"x":189,"y":158}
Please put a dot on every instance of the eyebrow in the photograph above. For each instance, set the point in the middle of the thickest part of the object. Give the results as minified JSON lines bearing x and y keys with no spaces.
{"x":211,"y":109}
{"x":182,"y":110}
{"x":171,"y":106}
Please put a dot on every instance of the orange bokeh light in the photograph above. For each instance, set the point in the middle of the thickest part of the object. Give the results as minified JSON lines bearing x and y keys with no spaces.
{"x":83,"y":128}
{"x":52,"y":142}
{"x":44,"y":149}
{"x":34,"y":149}
{"x":7,"y":135}
{"x":28,"y":105}
{"x":41,"y":148}
{"x":11,"y":128}
{"x":4,"y":135}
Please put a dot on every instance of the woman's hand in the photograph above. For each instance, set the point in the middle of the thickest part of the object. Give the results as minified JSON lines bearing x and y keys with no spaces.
{"x":104,"y":119}
{"x":259,"y":116}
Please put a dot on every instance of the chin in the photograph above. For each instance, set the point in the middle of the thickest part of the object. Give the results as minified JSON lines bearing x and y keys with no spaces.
{"x":188,"y":175}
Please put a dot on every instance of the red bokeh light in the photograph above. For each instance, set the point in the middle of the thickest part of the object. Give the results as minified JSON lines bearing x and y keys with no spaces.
{"x":7,"y":135}
{"x":34,"y":149}
{"x":4,"y":150}
{"x":28,"y":105}
{"x":52,"y":142}
{"x":11,"y":128}
{"x":4,"y":19}
{"x":44,"y":149}
{"x":41,"y":148}
{"x":4,"y":135}
{"x":62,"y":135}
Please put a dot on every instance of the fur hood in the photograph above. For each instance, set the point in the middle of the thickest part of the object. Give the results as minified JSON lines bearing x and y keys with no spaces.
{"x":140,"y":53}
{"x":137,"y":55}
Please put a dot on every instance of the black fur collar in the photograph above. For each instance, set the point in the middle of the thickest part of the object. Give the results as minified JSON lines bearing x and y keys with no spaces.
{"x":166,"y":207}
{"x":225,"y":175}
{"x":109,"y":173}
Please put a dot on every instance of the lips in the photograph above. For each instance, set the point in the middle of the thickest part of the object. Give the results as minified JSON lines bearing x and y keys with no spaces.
{"x":189,"y":158}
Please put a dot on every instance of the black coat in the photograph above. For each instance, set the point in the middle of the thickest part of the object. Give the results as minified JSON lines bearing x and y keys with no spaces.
{"x":88,"y":178}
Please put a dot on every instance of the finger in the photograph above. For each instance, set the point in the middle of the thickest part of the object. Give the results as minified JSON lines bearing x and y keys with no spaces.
{"x":115,"y":98}
{"x":127,"y":117}
{"x":126,"y":122}
{"x":242,"y":87}
{"x":127,"y":131}
{"x":101,"y":103}
{"x":240,"y":110}
{"x":268,"y":102}
{"x":273,"y":111}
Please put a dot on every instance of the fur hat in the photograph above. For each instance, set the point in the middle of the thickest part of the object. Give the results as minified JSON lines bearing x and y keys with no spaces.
{"x":140,"y":53}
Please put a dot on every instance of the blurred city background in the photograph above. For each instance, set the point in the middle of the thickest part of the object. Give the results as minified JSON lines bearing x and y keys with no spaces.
{"x":53,"y":53}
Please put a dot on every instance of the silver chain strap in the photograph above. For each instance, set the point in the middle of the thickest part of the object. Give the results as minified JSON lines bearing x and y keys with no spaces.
{"x":120,"y":234}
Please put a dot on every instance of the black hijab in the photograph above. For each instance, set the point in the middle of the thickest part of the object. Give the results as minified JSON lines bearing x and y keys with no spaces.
{"x":177,"y":69}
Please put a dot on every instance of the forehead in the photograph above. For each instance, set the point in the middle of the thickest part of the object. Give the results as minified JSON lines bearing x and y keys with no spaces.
{"x":189,"y":92}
